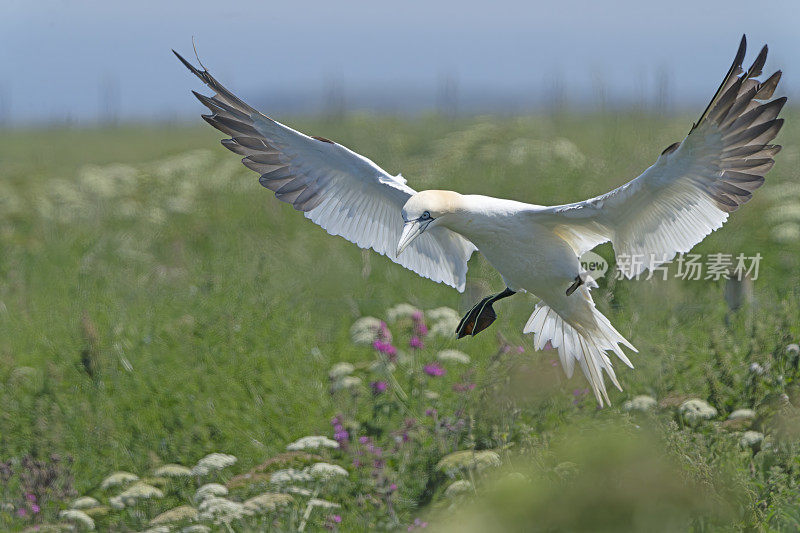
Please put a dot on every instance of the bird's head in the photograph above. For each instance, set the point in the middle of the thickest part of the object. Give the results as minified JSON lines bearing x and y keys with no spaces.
{"x":423,"y":211}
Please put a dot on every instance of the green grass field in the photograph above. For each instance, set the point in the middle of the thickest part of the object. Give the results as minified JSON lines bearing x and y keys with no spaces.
{"x":158,"y":305}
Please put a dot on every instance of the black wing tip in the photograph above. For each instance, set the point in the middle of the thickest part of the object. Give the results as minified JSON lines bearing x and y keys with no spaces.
{"x":741,"y":52}
{"x":203,"y":98}
{"x":183,"y":60}
{"x":203,"y":75}
{"x":758,"y":64}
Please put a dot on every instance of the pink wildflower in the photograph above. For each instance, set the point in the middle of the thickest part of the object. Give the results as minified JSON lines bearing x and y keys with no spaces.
{"x":383,"y":333}
{"x":434,"y":369}
{"x":385,"y":348}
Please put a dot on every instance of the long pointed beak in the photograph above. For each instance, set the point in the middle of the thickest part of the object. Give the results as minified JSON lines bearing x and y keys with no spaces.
{"x":411,"y":231}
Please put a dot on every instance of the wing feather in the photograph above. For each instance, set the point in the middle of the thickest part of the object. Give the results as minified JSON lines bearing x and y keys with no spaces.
{"x":341,"y":191}
{"x":693,"y":185}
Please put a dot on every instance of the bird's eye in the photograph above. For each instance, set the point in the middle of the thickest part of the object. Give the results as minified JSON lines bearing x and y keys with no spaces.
{"x":425,"y":216}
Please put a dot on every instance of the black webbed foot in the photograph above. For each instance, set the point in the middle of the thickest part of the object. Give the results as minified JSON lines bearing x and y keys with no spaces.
{"x":577,"y":283}
{"x":480,"y":316}
{"x":477,"y":319}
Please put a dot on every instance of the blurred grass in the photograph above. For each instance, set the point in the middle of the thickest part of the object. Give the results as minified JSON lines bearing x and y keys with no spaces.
{"x":210,"y":313}
{"x":624,"y":481}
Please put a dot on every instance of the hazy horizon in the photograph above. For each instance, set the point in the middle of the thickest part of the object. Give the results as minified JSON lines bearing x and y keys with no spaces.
{"x":90,"y":61}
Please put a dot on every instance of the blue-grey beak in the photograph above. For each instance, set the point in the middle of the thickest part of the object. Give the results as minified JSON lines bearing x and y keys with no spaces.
{"x":411,"y":230}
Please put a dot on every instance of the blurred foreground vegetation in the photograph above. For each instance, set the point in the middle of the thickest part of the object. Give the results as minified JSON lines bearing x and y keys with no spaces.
{"x":157,"y":306}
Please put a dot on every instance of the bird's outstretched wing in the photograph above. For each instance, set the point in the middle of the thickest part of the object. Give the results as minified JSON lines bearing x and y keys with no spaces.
{"x":693,"y":185}
{"x":342,"y":191}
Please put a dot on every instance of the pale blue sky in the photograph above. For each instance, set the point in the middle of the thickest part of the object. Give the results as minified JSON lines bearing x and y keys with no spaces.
{"x":57,"y":55}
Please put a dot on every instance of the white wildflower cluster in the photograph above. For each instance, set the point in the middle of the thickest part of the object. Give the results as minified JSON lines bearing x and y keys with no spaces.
{"x":317,"y":471}
{"x":785,"y":216}
{"x":192,"y":162}
{"x":77,"y":517}
{"x":196,"y":528}
{"x":177,"y":514}
{"x":85,"y":502}
{"x":453,"y":356}
{"x":465,"y":460}
{"x":341,"y":378}
{"x":147,"y":192}
{"x":268,"y":501}
{"x":365,"y":330}
{"x":346,"y":383}
{"x":157,"y":529}
{"x":118,"y":479}
{"x":289,"y":475}
{"x":475,"y":139}
{"x":546,"y":152}
{"x":640,"y":403}
{"x":400,"y":311}
{"x":210,"y":489}
{"x":323,"y":504}
{"x":742,"y":414}
{"x":340,"y":370}
{"x":751,"y":439}
{"x":213,"y":462}
{"x":108,"y":181}
{"x":382,"y":366}
{"x":115,"y":502}
{"x":326,"y":471}
{"x":442,"y":322}
{"x":221,"y":510}
{"x":172,"y":471}
{"x":786,"y":232}
{"x":210,"y":502}
{"x":312,"y":442}
{"x":441,"y":313}
{"x":695,"y":411}
{"x":430,"y":395}
{"x":458,"y":488}
{"x":139,"y":491}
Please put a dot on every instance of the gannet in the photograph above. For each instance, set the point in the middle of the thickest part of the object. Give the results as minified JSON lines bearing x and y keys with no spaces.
{"x":685,"y":195}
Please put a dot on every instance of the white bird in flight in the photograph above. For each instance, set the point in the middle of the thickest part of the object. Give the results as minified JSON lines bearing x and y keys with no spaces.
{"x":687,"y":193}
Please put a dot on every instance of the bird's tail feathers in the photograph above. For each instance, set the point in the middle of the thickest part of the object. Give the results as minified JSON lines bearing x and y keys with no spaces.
{"x":586,"y":342}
